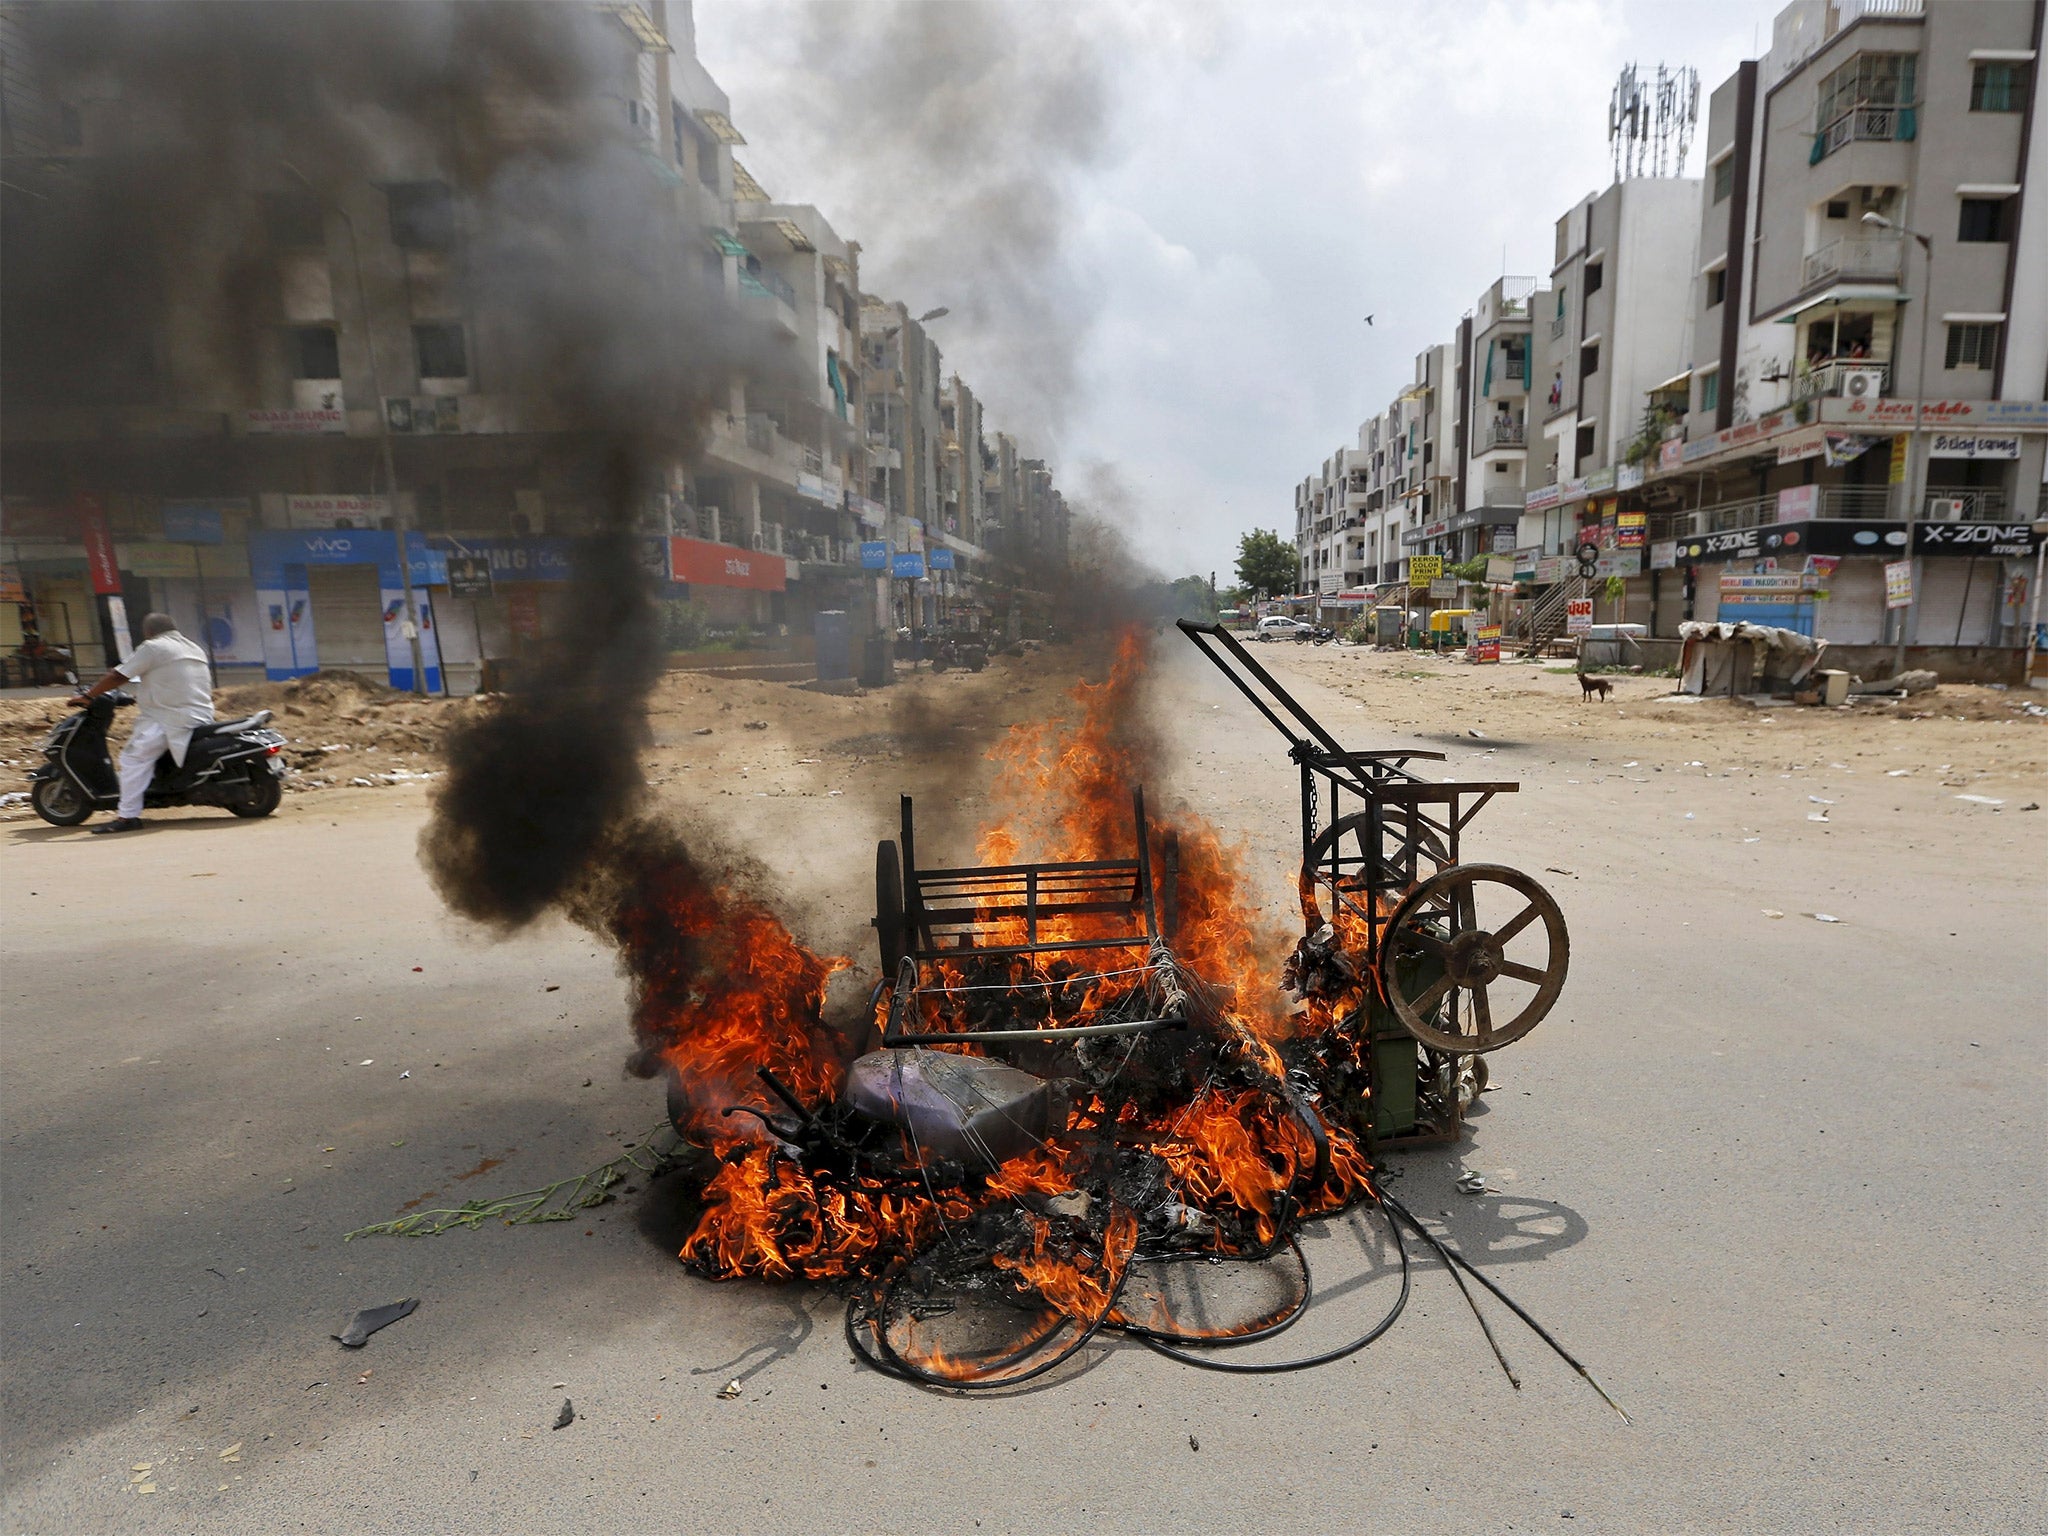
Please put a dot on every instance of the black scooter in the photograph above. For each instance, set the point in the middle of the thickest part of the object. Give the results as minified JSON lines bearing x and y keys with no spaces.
{"x":230,"y":763}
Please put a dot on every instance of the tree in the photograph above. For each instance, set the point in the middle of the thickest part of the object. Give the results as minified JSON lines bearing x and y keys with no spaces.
{"x":1265,"y":563}
{"x":1190,"y":598}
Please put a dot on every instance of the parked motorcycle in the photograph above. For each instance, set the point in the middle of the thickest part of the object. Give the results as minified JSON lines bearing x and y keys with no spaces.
{"x":1316,"y":634}
{"x":958,"y":648}
{"x":233,"y":764}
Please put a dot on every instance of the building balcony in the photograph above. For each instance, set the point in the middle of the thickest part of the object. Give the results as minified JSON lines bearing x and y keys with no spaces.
{"x":1863,"y":124}
{"x":1497,"y":434}
{"x":1848,"y":377}
{"x":1557,"y":325}
{"x":1855,"y":258}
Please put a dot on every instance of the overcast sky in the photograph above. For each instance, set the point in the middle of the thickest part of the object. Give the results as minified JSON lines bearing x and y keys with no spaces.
{"x":1217,"y":196}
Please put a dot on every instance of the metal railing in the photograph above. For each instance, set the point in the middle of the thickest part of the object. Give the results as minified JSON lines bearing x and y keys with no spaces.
{"x":1503,"y":434}
{"x":1557,"y":326}
{"x":1876,"y":257}
{"x":1846,"y":501}
{"x":1965,"y":506}
{"x":1832,"y":378}
{"x":1859,"y":124}
{"x":769,"y":282}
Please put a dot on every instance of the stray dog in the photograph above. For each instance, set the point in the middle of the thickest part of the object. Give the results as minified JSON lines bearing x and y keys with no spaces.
{"x":1588,"y":686}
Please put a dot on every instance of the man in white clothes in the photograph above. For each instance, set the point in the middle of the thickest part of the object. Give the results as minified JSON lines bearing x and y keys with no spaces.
{"x":173,"y":693}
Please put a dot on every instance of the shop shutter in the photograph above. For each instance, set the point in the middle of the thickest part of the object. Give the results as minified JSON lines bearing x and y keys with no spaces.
{"x":348,"y":617}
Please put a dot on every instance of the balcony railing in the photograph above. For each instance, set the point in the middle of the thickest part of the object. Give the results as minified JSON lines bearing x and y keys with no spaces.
{"x":1875,"y":258}
{"x":1863,"y":123}
{"x":1557,"y":326}
{"x":1964,"y":506}
{"x":1838,"y":376}
{"x":1502,"y":434}
{"x":769,"y":282}
{"x":1850,"y":501}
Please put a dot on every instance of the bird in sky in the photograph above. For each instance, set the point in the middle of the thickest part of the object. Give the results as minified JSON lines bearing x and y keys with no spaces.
{"x":1368,"y":319}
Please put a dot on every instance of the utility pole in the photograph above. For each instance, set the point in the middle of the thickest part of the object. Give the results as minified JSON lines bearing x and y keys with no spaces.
{"x":400,"y":524}
{"x":1916,"y":445}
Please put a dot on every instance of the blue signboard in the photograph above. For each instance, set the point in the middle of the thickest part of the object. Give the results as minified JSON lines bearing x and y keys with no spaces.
{"x":942,"y":559}
{"x":874,"y":555}
{"x":907,"y":567}
{"x":272,"y":549}
{"x":191,"y":522}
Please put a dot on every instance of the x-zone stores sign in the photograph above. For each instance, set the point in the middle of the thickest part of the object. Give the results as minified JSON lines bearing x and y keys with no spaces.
{"x":1990,"y":541}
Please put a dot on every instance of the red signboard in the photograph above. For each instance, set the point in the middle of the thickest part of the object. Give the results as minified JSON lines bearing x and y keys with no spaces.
{"x":702,"y":563}
{"x":98,"y":540}
{"x":522,"y":611}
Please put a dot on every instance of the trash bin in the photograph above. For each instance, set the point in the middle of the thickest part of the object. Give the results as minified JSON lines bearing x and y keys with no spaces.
{"x":878,"y":661}
{"x":834,"y":630}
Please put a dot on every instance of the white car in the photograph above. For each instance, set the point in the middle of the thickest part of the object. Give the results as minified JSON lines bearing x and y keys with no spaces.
{"x":1278,"y":626}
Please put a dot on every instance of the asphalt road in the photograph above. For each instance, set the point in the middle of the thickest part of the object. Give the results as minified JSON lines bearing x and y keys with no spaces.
{"x":1779,"y":1182}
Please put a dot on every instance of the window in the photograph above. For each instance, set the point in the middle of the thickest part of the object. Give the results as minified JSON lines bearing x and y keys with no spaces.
{"x":1869,"y":79}
{"x":1998,"y":87}
{"x":1717,"y":286}
{"x":316,"y":352}
{"x":1724,"y":178}
{"x":1583,"y":446}
{"x":1594,"y":273}
{"x":442,"y":352}
{"x":1589,"y":359}
{"x":1985,"y":219}
{"x":422,"y":215}
{"x":294,"y":220}
{"x":676,"y":128}
{"x":1839,"y":208}
{"x":1710,"y":390}
{"x":1973,"y":345}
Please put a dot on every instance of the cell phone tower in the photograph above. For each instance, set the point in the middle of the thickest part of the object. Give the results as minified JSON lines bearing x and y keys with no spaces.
{"x":1650,"y":123}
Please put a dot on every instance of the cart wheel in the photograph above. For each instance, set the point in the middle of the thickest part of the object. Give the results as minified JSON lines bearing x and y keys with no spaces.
{"x":1410,"y":850}
{"x":1442,"y":954}
{"x":888,"y":920}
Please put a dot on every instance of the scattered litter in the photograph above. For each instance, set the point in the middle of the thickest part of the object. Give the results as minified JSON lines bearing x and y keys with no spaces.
{"x":2036,"y":710}
{"x":757,"y":725}
{"x":1980,"y":799}
{"x":730,"y":1390}
{"x":145,"y":1487}
{"x":419,"y":967}
{"x":1897,"y":773}
{"x":370,"y":1063}
{"x":15,"y":797}
{"x":1631,"y":765}
{"x":1772,"y":912}
{"x":369,"y":1321}
{"x":1472,"y":1183}
{"x":233,"y":1452}
{"x":2031,"y":805}
{"x":1477,"y":735}
{"x":1752,"y":839}
{"x":1816,"y":815}
{"x":1823,"y":917}
{"x":555,"y":988}
{"x":364,"y":1378}
{"x":405,"y":1074}
{"x":1193,"y":1443}
{"x":1688,"y":815}
{"x":1553,"y":869}
{"x":566,"y":1417}
{"x":1816,"y":799}
{"x":702,"y":730}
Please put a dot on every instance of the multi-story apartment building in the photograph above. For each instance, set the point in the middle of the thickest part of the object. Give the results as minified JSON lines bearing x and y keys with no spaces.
{"x":1498,"y":350}
{"x":1866,"y":225}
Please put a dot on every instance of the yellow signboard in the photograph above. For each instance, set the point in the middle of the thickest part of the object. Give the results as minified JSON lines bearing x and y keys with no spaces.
{"x":1423,"y":569}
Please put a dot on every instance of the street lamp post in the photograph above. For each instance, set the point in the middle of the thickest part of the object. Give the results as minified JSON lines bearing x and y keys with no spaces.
{"x":1916,"y":455}
{"x":399,"y":523}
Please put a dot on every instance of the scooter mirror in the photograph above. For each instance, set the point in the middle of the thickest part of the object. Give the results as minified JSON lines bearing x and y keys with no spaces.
{"x":71,"y":678}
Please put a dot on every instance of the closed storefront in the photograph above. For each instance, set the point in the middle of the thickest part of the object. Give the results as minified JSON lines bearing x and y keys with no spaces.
{"x":348,"y":617}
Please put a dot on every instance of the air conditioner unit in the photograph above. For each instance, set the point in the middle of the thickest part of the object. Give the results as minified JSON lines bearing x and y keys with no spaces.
{"x":757,"y":541}
{"x":1861,"y":383}
{"x":1947,"y":509}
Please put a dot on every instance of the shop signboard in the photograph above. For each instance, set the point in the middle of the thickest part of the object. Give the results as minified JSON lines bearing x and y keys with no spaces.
{"x":1617,"y":562}
{"x":1770,"y":589}
{"x":941,"y":558}
{"x":1841,"y":448}
{"x":1551,"y":569}
{"x":1578,"y":616}
{"x":1972,"y":445}
{"x":1898,"y":583}
{"x":1936,"y":415}
{"x":12,"y":588}
{"x":522,"y":612}
{"x":1631,"y":530}
{"x":469,"y":576}
{"x":93,"y":533}
{"x":874,"y":555}
{"x":1500,"y":570}
{"x":1664,"y":554}
{"x":1443,"y":589}
{"x":1990,"y":541}
{"x":1897,"y":473}
{"x":1670,"y":455}
{"x":907,"y":565}
{"x":337,"y":511}
{"x":294,"y":423}
{"x":700,"y":562}
{"x":183,"y":562}
{"x":194,"y":522}
{"x":1485,"y":644}
{"x":1796,"y":503}
{"x":1423,"y":569}
{"x":1806,"y":443}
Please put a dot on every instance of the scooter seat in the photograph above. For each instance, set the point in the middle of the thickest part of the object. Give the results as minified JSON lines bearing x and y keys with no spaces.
{"x":232,"y":727}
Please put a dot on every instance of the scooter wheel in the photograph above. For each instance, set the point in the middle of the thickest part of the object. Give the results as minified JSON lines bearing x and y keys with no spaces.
{"x":264,"y":794}
{"x":59,"y":803}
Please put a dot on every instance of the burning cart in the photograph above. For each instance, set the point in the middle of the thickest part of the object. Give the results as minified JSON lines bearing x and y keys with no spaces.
{"x":1460,"y":959}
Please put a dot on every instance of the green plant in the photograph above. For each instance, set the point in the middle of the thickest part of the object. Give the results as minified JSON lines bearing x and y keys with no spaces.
{"x":1470,"y":570}
{"x":1616,"y":588}
{"x":1358,"y":632}
{"x":1656,"y":417}
{"x":684,"y":627}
